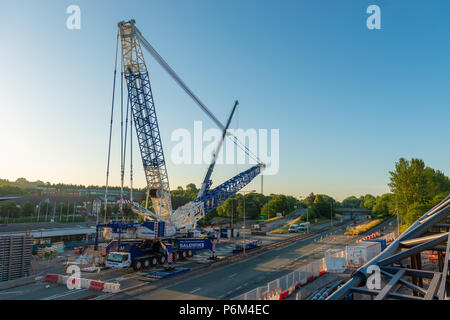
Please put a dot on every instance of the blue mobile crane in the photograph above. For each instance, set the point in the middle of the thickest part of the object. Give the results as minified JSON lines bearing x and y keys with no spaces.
{"x":163,"y":232}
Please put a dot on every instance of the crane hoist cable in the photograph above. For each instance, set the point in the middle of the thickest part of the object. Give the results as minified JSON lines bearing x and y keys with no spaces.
{"x":122,"y":154}
{"x":110,"y":128}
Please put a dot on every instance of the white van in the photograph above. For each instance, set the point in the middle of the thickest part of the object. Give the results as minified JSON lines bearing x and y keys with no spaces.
{"x":305,"y":226}
{"x":293,"y":228}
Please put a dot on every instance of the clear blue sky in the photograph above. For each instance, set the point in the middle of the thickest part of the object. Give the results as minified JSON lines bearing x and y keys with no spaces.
{"x":348,"y":101}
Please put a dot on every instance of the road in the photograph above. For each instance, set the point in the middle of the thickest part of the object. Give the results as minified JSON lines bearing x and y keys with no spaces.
{"x":237,"y":278}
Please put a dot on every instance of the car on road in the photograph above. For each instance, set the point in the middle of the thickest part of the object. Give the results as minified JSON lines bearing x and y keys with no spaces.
{"x":293,"y":228}
{"x":305,"y":226}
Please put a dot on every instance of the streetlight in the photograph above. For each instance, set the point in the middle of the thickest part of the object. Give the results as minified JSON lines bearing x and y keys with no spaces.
{"x":398,"y":220}
{"x":331,"y":211}
{"x":244,"y":192}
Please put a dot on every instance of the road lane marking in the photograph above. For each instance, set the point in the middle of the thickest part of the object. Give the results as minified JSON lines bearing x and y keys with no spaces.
{"x":231,"y":276}
{"x":195,"y":290}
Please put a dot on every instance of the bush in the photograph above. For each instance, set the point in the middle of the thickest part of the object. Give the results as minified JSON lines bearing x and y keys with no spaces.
{"x":363,"y":228}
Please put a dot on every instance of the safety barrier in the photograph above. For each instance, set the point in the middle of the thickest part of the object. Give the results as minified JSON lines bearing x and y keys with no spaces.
{"x":371,"y":236}
{"x":389,"y":237}
{"x":82,"y":283}
{"x":111,"y":287}
{"x":51,"y":278}
{"x":97,"y":285}
{"x":283,"y":287}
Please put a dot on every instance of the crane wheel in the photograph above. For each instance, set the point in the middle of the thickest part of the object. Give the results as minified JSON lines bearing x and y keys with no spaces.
{"x":190,"y":253}
{"x":163,"y":259}
{"x":177,"y":256}
{"x":146,"y":263}
{"x":184,"y":254}
{"x":154,"y":261}
{"x":137,"y":266}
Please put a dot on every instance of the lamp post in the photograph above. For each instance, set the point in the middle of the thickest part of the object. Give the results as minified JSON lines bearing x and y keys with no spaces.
{"x":244,"y":192}
{"x":331,"y":211}
{"x":398,"y":220}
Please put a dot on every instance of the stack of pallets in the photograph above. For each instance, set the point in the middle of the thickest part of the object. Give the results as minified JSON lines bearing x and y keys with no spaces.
{"x":47,"y":253}
{"x":15,"y":256}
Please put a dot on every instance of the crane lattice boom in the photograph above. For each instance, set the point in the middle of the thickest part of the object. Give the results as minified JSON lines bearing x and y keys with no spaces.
{"x":146,"y":123}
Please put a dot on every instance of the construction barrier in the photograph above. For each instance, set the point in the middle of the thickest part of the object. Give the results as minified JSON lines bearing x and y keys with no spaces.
{"x":53,"y":278}
{"x":111,"y":287}
{"x":97,"y":285}
{"x":283,"y":287}
{"x":85,"y":283}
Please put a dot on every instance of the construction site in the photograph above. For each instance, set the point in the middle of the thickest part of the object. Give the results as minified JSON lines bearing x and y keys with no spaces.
{"x":163,"y":251}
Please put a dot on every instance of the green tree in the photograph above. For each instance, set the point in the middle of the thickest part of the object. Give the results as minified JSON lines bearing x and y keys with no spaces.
{"x":416,"y":188}
{"x":384,"y":205}
{"x":9,"y":190}
{"x":352,"y":202}
{"x":28,"y":209}
{"x":10,"y":209}
{"x":369,"y":201}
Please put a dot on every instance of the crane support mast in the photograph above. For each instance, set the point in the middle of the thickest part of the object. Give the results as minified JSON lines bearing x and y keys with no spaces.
{"x":207,"y":180}
{"x":144,"y":116}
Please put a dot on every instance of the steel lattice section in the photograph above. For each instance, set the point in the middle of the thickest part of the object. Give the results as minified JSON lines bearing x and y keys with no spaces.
{"x":143,"y":109}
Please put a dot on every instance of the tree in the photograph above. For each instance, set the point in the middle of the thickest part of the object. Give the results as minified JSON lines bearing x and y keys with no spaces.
{"x":384,"y":205}
{"x":324,"y":205}
{"x":47,"y":209}
{"x":412,"y":182}
{"x":9,"y":190}
{"x":416,"y":188}
{"x":310,"y":198}
{"x":369,"y":201}
{"x":10,"y":209}
{"x":28,"y":209}
{"x":415,"y":211}
{"x":351,"y":202}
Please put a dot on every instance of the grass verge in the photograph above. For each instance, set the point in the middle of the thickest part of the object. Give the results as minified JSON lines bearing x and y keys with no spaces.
{"x":362,"y":228}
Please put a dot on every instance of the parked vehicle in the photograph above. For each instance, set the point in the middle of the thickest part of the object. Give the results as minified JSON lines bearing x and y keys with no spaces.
{"x":142,"y":253}
{"x":305,"y":226}
{"x":293,"y":228}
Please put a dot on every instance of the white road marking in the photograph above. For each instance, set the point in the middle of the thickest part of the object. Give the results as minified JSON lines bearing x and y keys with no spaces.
{"x":231,"y":276}
{"x":195,"y":290}
{"x":11,"y":292}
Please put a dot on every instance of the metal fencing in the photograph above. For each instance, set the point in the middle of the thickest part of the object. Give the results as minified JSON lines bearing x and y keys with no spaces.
{"x":388,"y":237}
{"x":280,"y":288}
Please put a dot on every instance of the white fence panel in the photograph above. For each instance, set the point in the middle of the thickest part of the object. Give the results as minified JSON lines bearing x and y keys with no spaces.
{"x":251,"y":295}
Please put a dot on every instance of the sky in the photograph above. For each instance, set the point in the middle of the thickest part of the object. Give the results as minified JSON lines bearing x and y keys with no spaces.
{"x":348,"y":101}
